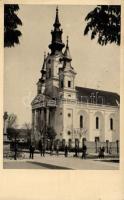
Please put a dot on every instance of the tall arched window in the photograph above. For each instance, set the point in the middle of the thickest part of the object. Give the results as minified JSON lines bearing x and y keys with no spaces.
{"x":97,"y":122}
{"x":111,"y":124}
{"x":81,"y":121}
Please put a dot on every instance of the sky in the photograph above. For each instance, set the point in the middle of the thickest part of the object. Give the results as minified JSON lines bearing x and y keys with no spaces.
{"x":97,"y":66}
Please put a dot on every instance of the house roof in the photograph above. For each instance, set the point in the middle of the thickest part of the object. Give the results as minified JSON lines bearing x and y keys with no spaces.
{"x":89,"y":95}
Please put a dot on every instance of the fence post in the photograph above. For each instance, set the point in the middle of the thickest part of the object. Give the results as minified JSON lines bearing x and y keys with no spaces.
{"x":96,"y":144}
{"x":107,"y":144}
{"x":117,"y":142}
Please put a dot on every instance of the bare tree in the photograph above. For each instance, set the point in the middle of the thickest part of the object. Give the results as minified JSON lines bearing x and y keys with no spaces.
{"x":27,"y":127}
{"x":12,"y":121}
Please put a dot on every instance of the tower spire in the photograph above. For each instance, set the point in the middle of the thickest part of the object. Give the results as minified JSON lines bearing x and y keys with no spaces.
{"x":67,"y":55}
{"x":67,"y":42}
{"x":57,"y":23}
{"x":56,"y":45}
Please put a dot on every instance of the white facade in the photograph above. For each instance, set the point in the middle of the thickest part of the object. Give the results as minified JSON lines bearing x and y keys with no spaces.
{"x":74,"y":112}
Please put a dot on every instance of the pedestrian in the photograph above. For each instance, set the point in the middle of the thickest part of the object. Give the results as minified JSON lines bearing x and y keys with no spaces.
{"x":84,"y":150}
{"x":57,"y":149}
{"x":76,"y":151}
{"x":66,"y":151}
{"x":32,"y":153}
{"x":102,"y":152}
{"x":15,"y":150}
{"x":32,"y":149}
{"x":43,"y":150}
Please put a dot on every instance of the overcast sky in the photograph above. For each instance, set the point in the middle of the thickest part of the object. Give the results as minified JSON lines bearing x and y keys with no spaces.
{"x":96,"y":66}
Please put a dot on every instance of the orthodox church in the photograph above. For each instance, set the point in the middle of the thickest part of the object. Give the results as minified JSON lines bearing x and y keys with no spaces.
{"x":75,"y":113}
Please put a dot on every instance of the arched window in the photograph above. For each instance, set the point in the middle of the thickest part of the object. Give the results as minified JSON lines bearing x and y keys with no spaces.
{"x":111,"y":124}
{"x":69,"y":132}
{"x":97,"y":122}
{"x":61,"y":84}
{"x":81,"y":121}
{"x":69,"y":84}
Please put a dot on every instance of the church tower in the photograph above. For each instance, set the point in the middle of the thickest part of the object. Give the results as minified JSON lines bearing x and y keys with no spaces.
{"x":53,"y":60}
{"x":41,"y":81}
{"x":67,"y":76}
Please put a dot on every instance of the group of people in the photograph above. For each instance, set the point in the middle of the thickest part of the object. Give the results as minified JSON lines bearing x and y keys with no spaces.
{"x":101,"y":152}
{"x":66,"y":151}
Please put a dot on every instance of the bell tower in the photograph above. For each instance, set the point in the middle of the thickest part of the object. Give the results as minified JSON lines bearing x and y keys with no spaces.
{"x":67,"y":76}
{"x":54,"y":59}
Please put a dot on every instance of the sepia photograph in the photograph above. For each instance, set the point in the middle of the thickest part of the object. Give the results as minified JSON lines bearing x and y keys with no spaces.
{"x":61,"y":107}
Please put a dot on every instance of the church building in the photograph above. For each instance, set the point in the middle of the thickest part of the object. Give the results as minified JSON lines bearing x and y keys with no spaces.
{"x":76,"y":113}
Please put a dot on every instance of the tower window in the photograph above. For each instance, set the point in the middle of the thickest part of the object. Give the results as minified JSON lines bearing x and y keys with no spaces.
{"x":81,"y":121}
{"x":97,"y":123}
{"x":69,"y":114}
{"x":111,"y":124}
{"x":69,"y":83}
{"x":69,"y":132}
{"x":61,"y":84}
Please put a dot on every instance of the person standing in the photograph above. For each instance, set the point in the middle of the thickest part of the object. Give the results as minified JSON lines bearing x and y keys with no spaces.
{"x":43,"y":150}
{"x":103,"y":152}
{"x":32,"y":153}
{"x":84,"y":150}
{"x":100,"y":152}
{"x":32,"y":149}
{"x":57,"y":149}
{"x":76,"y":151}
{"x":15,"y":150}
{"x":66,"y":151}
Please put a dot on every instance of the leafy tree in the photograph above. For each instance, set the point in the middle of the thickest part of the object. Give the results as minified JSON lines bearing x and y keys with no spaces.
{"x":12,"y":133}
{"x":104,"y":23}
{"x":11,"y":22}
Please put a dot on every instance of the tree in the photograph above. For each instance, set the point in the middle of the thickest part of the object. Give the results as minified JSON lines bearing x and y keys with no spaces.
{"x":51,"y":134}
{"x":104,"y":23}
{"x":11,"y":22}
{"x":27,"y":127}
{"x":12,"y":133}
{"x":12,"y":119}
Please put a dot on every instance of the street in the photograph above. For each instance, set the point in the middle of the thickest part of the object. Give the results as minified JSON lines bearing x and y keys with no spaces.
{"x":60,"y":162}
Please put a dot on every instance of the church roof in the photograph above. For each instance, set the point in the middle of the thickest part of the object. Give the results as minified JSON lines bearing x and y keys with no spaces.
{"x":89,"y":95}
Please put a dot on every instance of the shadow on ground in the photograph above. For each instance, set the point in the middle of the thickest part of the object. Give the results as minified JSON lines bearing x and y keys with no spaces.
{"x":48,"y":166}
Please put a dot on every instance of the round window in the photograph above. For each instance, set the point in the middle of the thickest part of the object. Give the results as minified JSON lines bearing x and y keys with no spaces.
{"x":69,"y":132}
